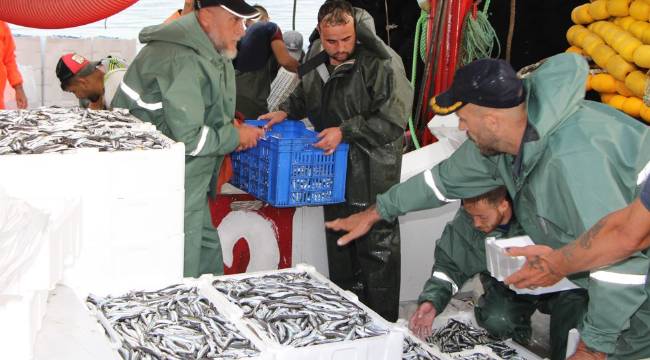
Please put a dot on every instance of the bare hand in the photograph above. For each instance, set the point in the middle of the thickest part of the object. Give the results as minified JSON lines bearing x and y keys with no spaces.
{"x":248,"y":136}
{"x":584,"y":353}
{"x":537,"y":271}
{"x":273,"y":118}
{"x":21,"y":98}
{"x":330,"y":138}
{"x":355,"y":225}
{"x":422,"y":320}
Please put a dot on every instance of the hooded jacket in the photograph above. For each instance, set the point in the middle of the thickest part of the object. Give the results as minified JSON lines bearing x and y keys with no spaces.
{"x":588,"y":161}
{"x":370,"y":99}
{"x":181,"y":84}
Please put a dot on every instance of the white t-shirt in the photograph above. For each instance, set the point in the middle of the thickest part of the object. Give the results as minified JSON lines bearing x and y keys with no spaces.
{"x":112,"y":80}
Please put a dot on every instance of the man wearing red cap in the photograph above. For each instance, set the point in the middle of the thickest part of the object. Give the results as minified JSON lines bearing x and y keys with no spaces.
{"x":94,"y":81}
{"x":183,"y":81}
{"x":9,"y":68}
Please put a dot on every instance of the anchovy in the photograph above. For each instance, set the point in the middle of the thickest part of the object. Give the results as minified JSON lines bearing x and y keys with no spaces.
{"x":52,"y":129}
{"x":296,"y":310}
{"x":457,"y":336}
{"x":412,"y":350}
{"x":172,"y":323}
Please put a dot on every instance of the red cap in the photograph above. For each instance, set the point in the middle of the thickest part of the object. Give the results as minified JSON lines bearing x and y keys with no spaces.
{"x":73,"y":64}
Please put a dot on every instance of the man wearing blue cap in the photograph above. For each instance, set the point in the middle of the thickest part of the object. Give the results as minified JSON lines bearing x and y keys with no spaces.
{"x":566,"y":163}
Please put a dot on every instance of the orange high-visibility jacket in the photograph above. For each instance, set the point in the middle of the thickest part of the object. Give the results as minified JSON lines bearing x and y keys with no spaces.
{"x":8,"y":67}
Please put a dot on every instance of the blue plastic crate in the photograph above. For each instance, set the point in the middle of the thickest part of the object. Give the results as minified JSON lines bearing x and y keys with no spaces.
{"x":286,"y":170}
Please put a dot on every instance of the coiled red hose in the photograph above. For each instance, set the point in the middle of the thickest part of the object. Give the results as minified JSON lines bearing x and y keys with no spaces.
{"x":57,"y":14}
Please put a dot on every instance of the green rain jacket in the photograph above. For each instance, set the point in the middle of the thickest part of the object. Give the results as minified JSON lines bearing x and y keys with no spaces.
{"x":588,"y":161}
{"x":370,"y":99}
{"x":459,"y":255}
{"x":181,"y":84}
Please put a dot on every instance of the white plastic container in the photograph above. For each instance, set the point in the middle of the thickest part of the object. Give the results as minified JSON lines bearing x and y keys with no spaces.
{"x":501,"y":265}
{"x":383,"y":347}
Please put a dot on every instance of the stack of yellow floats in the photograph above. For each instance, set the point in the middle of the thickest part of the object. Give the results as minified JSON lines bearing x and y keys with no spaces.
{"x":616,"y":35}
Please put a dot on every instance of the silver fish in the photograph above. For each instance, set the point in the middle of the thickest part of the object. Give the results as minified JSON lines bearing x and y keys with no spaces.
{"x":296,"y":310}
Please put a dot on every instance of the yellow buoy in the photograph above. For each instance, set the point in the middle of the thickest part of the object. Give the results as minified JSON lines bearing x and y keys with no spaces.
{"x":618,"y":67}
{"x":606,"y":97}
{"x":636,"y":82}
{"x":621,"y":89}
{"x":603,"y":83}
{"x":617,"y":101}
{"x":632,"y":106}
{"x":639,"y":10}
{"x":641,"y":56}
{"x":645,"y":114}
{"x":601,"y":54}
{"x":618,"y":8}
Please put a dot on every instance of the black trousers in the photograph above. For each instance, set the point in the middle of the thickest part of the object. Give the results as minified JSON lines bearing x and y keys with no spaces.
{"x":368,"y":266}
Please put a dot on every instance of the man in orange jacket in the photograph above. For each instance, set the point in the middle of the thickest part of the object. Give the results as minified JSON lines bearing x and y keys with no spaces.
{"x":9,"y":68}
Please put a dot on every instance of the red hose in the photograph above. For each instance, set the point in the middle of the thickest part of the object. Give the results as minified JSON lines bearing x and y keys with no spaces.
{"x":57,"y":14}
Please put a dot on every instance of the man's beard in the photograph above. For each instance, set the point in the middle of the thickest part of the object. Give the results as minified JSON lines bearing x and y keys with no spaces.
{"x":228,"y":54}
{"x":484,"y":150}
{"x":94,"y":97}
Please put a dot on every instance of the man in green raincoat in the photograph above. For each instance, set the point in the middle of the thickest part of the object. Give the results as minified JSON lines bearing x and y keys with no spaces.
{"x":566,"y":163}
{"x":355,"y":90}
{"x":183,"y":82}
{"x":460,"y":254}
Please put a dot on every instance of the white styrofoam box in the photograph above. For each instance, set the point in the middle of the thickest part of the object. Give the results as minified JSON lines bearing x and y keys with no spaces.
{"x":308,"y":238}
{"x":32,"y":91}
{"x":383,"y":347}
{"x":424,"y":345}
{"x":122,"y":48}
{"x":29,"y":57}
{"x":21,"y":317}
{"x":424,"y":158}
{"x":135,"y":174}
{"x":54,"y":48}
{"x":420,"y":230}
{"x":501,"y":265}
{"x":25,"y":247}
{"x":446,"y":127}
{"x":464,"y":312}
{"x":104,"y":269}
{"x":70,"y":332}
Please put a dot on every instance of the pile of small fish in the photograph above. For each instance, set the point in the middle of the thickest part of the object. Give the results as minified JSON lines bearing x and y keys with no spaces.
{"x":173,"y":323}
{"x":294,"y":309}
{"x":52,"y":129}
{"x":457,"y":336}
{"x":474,"y":356}
{"x":412,"y":350}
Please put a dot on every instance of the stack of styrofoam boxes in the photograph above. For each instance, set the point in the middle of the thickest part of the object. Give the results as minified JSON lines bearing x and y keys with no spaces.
{"x":29,"y":57}
{"x":23,"y":292}
{"x":383,"y":347}
{"x":116,"y":221}
{"x":132,"y":227}
{"x":40,"y":55}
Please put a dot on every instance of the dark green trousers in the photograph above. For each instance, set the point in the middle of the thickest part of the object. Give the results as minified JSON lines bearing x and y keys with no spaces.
{"x":368,"y":266}
{"x":202,"y":245}
{"x":506,"y":314}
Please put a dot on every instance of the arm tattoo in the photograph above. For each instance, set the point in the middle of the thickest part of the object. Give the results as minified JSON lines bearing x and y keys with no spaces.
{"x":585,"y":239}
